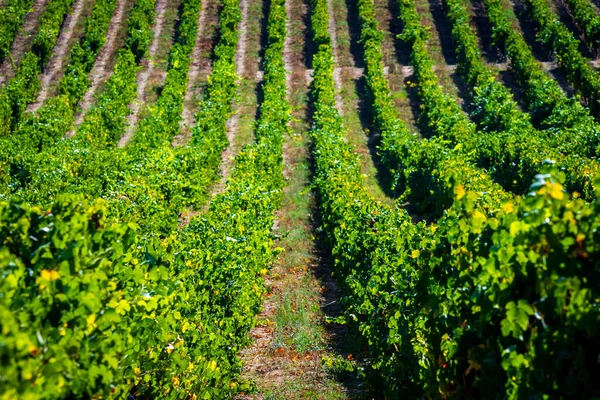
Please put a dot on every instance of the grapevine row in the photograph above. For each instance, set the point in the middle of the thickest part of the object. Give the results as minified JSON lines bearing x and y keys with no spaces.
{"x":571,"y":128}
{"x":559,"y":40}
{"x":588,"y":21}
{"x":132,"y":178}
{"x":23,"y":88}
{"x":75,"y":82}
{"x":50,"y":24}
{"x":107,"y":120}
{"x":30,"y":147}
{"x":462,"y":308}
{"x":12,"y":17}
{"x":162,"y":123}
{"x":53,"y":119}
{"x":428,"y":168}
{"x":168,"y":316}
{"x":505,"y":149}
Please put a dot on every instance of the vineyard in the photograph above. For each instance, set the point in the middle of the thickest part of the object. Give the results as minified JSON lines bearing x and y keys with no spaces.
{"x":299,"y":199}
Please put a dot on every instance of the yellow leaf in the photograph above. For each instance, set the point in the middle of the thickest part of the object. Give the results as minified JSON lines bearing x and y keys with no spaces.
{"x":460,"y":192}
{"x":415,"y":253}
{"x":479,"y":216}
{"x":91,"y":323}
{"x":556,"y":191}
{"x":50,"y":275}
{"x":508,"y":207}
{"x":212,"y":365}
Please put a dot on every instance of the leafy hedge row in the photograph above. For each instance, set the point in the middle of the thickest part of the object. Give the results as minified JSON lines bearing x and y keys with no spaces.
{"x":506,"y":148}
{"x":49,"y":28}
{"x":23,"y":88}
{"x":216,"y":106}
{"x":89,"y":164}
{"x":18,"y":92}
{"x":107,"y":120}
{"x":570,"y":126}
{"x":475,"y":306}
{"x":75,"y":83}
{"x":425,"y":170}
{"x":35,"y":157}
{"x":149,"y":181}
{"x":32,"y":141}
{"x":152,"y":317}
{"x":162,"y":122}
{"x":53,"y":119}
{"x":559,"y":40}
{"x":588,"y":21}
{"x":12,"y":16}
{"x":236,"y":233}
{"x":139,"y":34}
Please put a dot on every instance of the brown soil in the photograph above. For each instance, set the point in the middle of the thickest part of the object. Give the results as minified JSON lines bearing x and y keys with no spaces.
{"x":280,"y":370}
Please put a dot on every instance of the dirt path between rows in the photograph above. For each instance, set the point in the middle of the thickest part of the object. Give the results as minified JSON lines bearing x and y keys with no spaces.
{"x":23,"y":40}
{"x":145,"y":72}
{"x":57,"y":61}
{"x":100,"y":71}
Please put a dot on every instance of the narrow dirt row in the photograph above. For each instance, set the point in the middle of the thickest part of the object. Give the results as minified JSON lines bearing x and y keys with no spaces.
{"x":145,"y":72}
{"x":160,"y":61}
{"x":64,"y":43}
{"x":103,"y":66}
{"x":23,"y":41}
